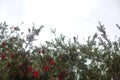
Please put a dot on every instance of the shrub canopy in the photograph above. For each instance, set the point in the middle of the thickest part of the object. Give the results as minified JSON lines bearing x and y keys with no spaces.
{"x":98,"y":59}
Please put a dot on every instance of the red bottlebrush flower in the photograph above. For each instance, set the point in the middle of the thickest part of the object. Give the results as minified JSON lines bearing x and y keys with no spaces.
{"x":12,"y":55}
{"x":35,"y":74}
{"x":30,"y":68}
{"x":15,"y":28}
{"x":43,"y":51}
{"x":3,"y":56}
{"x":20,"y":66}
{"x":52,"y":62}
{"x":63,"y":72}
{"x":46,"y":68}
{"x":3,"y":44}
{"x":61,"y":75}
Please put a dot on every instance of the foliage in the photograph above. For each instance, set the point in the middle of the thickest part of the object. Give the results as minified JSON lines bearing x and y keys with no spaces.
{"x":98,"y":59}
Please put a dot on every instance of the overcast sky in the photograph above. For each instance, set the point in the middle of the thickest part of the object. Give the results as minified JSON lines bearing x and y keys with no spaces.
{"x":69,"y":17}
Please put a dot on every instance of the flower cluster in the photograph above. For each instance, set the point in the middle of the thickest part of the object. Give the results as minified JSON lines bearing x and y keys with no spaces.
{"x":20,"y":59}
{"x":21,"y":63}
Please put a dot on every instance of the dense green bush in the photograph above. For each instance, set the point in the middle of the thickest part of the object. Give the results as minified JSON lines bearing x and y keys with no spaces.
{"x":58,"y":59}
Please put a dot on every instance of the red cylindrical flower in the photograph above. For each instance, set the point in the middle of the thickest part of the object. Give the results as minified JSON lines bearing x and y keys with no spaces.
{"x":43,"y":51}
{"x":46,"y":68}
{"x":12,"y":55}
{"x":15,"y":28}
{"x":3,"y":56}
{"x":52,"y":62}
{"x":30,"y":68}
{"x":35,"y":74}
{"x":3,"y":44}
{"x":61,"y":75}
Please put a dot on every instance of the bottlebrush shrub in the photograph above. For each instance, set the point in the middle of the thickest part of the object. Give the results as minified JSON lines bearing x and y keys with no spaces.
{"x":98,"y":59}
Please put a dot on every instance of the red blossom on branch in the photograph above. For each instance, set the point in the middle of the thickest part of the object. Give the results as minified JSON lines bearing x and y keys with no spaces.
{"x":15,"y":28}
{"x":43,"y":51}
{"x":52,"y":62}
{"x":35,"y":74}
{"x":30,"y":68}
{"x":61,"y":75}
{"x":12,"y":55}
{"x":3,"y":56}
{"x":3,"y":44}
{"x":46,"y":68}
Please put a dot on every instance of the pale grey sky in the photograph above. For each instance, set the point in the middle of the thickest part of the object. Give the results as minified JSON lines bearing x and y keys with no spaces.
{"x":69,"y":17}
